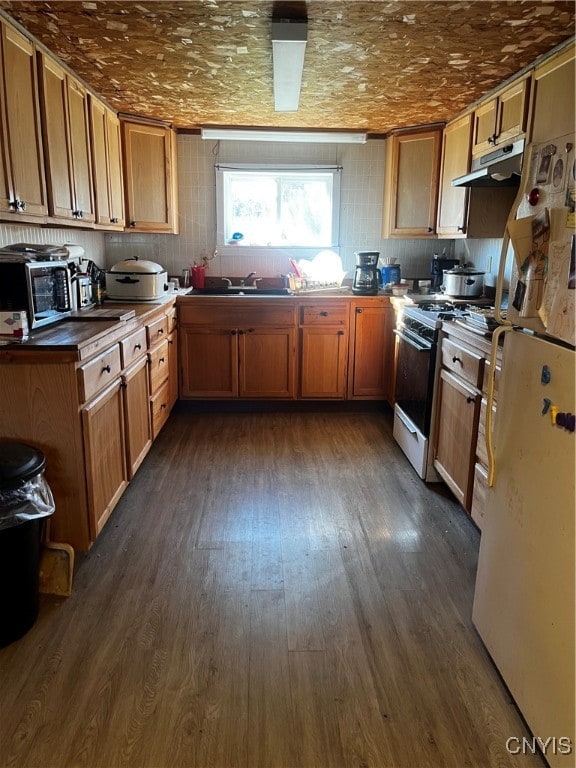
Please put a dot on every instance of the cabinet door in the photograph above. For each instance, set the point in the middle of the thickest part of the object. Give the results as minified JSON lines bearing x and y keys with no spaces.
{"x":105,"y":454}
{"x":323,"y":353}
{"x":267,"y":362}
{"x":411,"y":187}
{"x":553,"y":97}
{"x":23,"y":166}
{"x":115,"y":171}
{"x":149,"y":177}
{"x":208,"y":362}
{"x":370,"y":353}
{"x":484,"y":129}
{"x":512,"y":112}
{"x":57,"y":145}
{"x":138,"y":429}
{"x":106,"y":166}
{"x":452,"y":205}
{"x":80,"y":151}
{"x":456,"y":433}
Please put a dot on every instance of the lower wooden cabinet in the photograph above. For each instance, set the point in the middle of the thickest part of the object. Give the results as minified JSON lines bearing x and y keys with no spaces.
{"x":371,"y":351}
{"x":105,"y":454}
{"x":86,"y":402}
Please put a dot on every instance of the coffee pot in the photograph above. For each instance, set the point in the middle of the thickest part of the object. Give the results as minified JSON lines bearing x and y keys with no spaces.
{"x":367,"y":275}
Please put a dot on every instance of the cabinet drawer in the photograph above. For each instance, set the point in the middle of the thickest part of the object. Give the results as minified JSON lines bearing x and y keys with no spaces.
{"x":160,"y":408}
{"x":466,"y":364}
{"x":133,"y":347}
{"x":324,"y":314}
{"x":157,"y":331}
{"x":159,"y":367}
{"x":98,"y":373}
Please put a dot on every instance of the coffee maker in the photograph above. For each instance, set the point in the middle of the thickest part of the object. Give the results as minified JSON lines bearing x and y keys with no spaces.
{"x":367,"y":275}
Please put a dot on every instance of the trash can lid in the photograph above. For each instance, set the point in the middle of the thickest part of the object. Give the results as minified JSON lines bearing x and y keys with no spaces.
{"x":19,"y":462}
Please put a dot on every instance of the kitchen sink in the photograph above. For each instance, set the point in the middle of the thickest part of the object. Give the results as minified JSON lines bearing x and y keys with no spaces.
{"x":236,"y":290}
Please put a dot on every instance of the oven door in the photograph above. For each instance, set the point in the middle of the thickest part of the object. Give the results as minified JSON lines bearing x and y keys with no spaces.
{"x":414,"y":387}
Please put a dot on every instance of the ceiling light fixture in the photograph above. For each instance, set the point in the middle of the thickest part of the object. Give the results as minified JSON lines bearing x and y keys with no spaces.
{"x":314,"y":137}
{"x":288,"y":49}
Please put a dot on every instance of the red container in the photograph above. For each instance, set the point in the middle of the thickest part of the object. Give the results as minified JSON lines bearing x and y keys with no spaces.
{"x":197,"y":276}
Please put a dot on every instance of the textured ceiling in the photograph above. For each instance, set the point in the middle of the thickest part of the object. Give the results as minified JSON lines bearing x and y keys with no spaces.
{"x":372,"y":65}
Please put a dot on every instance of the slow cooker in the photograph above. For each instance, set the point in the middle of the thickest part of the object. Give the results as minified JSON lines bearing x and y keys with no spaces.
{"x":463,"y":282}
{"x":136,"y":280}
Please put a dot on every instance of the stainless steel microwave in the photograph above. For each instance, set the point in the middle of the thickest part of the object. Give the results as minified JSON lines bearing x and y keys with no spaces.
{"x":41,"y":288}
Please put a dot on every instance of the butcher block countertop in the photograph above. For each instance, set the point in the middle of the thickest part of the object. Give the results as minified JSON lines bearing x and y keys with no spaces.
{"x":83,"y":335}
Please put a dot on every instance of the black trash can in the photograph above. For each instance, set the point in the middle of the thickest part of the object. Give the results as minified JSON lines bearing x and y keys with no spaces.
{"x":25,"y":500}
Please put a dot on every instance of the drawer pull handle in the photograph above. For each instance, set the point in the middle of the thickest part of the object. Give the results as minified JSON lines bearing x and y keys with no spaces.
{"x":324,"y":314}
{"x":137,"y":346}
{"x":457,"y":360}
{"x":160,"y":331}
{"x":161,"y":360}
{"x":106,"y":369}
{"x":162,"y":405}
{"x":340,"y":333}
{"x":470,"y":399}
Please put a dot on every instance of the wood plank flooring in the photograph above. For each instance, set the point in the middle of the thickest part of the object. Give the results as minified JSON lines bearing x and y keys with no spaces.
{"x":274,"y":590}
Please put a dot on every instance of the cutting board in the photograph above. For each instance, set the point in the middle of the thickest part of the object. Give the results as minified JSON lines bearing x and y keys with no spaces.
{"x":102,"y":313}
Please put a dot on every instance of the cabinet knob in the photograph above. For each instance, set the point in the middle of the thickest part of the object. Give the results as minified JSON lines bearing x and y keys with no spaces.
{"x":233,"y":332}
{"x":170,"y":341}
{"x":160,"y":331}
{"x":324,"y":313}
{"x":457,"y":360}
{"x":340,"y":333}
{"x":114,"y":220}
{"x":132,"y":224}
{"x":359,"y":310}
{"x":163,"y":405}
{"x":240,"y":332}
{"x":470,"y":399}
{"x":78,"y":214}
{"x":492,"y":139}
{"x":430,"y":229}
{"x":137,"y":346}
{"x":106,"y":369}
{"x":460,"y":229}
{"x":250,"y":330}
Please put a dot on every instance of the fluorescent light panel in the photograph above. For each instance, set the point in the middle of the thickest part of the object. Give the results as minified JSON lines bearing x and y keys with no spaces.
{"x":288,"y":49}
{"x":320,"y":137}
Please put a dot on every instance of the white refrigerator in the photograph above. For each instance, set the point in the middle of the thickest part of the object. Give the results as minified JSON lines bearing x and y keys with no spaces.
{"x":525,"y":587}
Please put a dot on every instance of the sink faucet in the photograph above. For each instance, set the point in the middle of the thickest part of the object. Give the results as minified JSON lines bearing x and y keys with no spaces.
{"x":244,"y":281}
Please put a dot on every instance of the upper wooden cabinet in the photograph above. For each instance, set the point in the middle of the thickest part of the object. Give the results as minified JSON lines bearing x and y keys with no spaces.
{"x":107,"y":166}
{"x":502,"y":118}
{"x":22,"y":180}
{"x":64,"y":104}
{"x":411,"y":184}
{"x":452,"y":205}
{"x":149,"y":152}
{"x":475,"y":212}
{"x":553,"y":86}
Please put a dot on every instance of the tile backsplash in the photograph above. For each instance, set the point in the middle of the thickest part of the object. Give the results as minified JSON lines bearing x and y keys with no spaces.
{"x":91,"y":241}
{"x":362,"y":189}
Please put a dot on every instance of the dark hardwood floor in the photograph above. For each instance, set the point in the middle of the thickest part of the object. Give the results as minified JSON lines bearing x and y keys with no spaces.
{"x":274,"y":590}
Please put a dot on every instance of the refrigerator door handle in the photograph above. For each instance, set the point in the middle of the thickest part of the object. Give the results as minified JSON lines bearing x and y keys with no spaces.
{"x":500,"y":331}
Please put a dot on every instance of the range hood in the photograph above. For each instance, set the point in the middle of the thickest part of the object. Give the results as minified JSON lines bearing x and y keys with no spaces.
{"x":499,"y":168}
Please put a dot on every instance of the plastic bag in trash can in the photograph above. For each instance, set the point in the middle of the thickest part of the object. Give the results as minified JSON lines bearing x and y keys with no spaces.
{"x":32,"y":499}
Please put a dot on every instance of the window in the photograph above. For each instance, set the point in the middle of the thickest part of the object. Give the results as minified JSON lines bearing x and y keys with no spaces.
{"x":277,"y":207}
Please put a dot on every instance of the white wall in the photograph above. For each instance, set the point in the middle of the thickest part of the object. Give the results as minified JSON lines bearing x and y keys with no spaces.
{"x":362,"y":188}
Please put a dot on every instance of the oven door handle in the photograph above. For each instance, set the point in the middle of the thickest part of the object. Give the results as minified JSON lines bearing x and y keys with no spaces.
{"x":420,"y":344}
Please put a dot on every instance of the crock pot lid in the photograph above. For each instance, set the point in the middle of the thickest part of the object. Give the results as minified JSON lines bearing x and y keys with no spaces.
{"x":138,"y":265}
{"x":19,"y":462}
